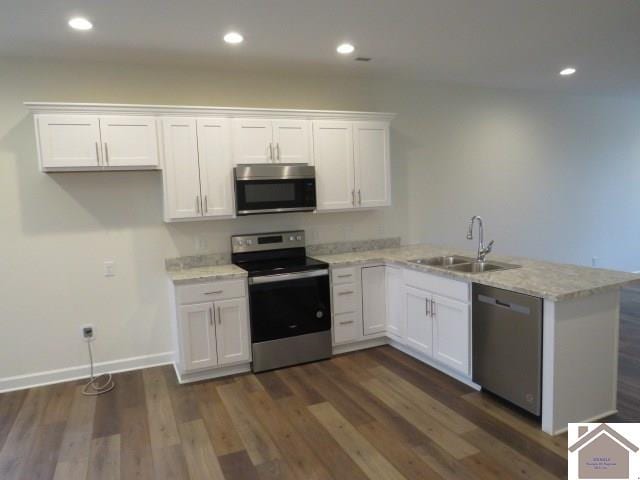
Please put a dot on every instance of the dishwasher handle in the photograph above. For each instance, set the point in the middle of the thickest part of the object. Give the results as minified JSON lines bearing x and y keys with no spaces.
{"x":500,"y":304}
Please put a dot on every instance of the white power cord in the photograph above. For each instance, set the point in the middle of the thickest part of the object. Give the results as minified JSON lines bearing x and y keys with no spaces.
{"x":94,"y":387}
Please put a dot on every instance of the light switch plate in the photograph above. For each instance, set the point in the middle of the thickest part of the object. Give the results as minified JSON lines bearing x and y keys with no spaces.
{"x":109,"y":268}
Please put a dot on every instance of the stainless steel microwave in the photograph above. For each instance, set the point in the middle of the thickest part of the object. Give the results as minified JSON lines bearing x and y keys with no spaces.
{"x":268,"y":188}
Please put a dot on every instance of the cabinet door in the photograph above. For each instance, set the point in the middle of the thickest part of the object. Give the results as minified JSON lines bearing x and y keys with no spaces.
{"x":372,"y":166}
{"x":197,"y":336}
{"x":252,"y":141}
{"x":419,"y":322}
{"x":232,"y":331}
{"x":69,"y":141}
{"x":333,"y":158}
{"x":129,"y":141}
{"x":451,"y":343}
{"x":292,"y":141}
{"x":374,"y":308}
{"x":396,"y":316}
{"x":216,"y":167}
{"x":181,"y":171}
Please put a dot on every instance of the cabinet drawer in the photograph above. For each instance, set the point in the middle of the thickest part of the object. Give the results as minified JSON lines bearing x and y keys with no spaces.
{"x":210,"y":292}
{"x":346,"y":299}
{"x":344,"y":275}
{"x":433,"y":283}
{"x":346,"y":327}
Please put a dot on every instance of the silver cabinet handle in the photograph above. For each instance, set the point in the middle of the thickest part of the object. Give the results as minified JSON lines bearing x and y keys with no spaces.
{"x":346,"y":322}
{"x":348,"y":292}
{"x":211,"y":316}
{"x":345,"y":276}
{"x":359,"y":197}
{"x":278,"y":151}
{"x":106,"y":153}
{"x":206,"y":204}
{"x":271,"y":151}
{"x":426,"y":307}
{"x":217,"y":292}
{"x":97,"y":154}
{"x":197,"y":203}
{"x":353,"y":197}
{"x":433,"y":308}
{"x":219,"y":317}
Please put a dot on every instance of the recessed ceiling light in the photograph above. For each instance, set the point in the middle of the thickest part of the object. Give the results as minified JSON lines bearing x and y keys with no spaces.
{"x":345,"y":48}
{"x":233,"y":38}
{"x":80,"y":23}
{"x":565,"y":72}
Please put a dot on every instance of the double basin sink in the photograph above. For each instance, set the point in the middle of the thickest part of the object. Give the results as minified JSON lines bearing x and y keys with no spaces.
{"x":459,"y":263}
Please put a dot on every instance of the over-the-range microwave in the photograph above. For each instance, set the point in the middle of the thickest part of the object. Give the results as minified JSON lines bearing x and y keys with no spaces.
{"x":268,"y":188}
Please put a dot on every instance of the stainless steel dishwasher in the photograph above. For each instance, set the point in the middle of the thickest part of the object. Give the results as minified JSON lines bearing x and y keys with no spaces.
{"x":507,"y":345}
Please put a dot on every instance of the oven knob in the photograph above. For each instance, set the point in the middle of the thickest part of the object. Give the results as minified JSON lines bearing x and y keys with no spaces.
{"x":299,"y":238}
{"x":249,"y":242}
{"x":291,"y":238}
{"x":319,"y":314}
{"x":240,"y":242}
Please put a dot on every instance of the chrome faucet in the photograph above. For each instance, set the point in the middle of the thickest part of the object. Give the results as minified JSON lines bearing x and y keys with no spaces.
{"x":482,"y":250}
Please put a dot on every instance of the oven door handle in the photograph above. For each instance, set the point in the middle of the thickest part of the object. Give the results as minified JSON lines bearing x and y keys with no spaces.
{"x":283,"y":277}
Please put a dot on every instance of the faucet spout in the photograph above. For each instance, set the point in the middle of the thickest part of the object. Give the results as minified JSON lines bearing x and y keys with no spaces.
{"x":482,"y":250}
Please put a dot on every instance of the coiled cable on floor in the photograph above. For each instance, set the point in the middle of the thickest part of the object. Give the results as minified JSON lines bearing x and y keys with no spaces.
{"x":95,"y":386}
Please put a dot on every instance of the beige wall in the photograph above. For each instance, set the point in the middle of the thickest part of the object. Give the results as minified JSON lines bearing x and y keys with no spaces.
{"x":555,"y":177}
{"x":58,"y":229}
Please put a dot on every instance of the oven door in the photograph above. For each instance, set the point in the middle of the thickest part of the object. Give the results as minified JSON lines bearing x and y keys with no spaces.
{"x":289,"y":304}
{"x":275,"y":195}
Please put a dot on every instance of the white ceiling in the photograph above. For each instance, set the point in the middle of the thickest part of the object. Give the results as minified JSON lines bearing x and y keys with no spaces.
{"x":512,"y":43}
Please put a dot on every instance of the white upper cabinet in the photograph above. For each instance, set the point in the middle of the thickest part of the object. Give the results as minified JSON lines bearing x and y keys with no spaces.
{"x":232,"y":331}
{"x":372,"y":165}
{"x":129,"y":141}
{"x":257,"y":140}
{"x":333,"y":151}
{"x":87,"y":142}
{"x":252,"y":141}
{"x":69,"y":141}
{"x":216,"y":167}
{"x":352,"y":164}
{"x":181,"y":170}
{"x":292,"y":141}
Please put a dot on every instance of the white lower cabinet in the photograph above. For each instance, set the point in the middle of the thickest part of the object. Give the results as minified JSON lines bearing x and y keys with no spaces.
{"x":451,"y":333}
{"x":212,"y":330}
{"x":419,"y":334}
{"x":374,"y":307}
{"x":396,"y":311}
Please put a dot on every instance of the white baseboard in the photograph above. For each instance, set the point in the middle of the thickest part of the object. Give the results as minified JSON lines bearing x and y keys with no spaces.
{"x":211,"y":373}
{"x":20,"y":382}
{"x":593,"y":419}
{"x":361,"y":345}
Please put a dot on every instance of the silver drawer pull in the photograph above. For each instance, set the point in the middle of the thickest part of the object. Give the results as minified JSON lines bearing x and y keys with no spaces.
{"x":345,"y":276}
{"x":346,"y":322}
{"x":213,"y":293}
{"x":349,"y":292}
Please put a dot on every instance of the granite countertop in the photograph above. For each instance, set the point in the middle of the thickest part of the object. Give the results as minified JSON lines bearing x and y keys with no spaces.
{"x":553,"y":281}
{"x":210,"y":272}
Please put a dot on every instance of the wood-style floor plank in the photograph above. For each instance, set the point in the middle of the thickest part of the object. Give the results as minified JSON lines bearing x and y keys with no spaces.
{"x":370,"y":460}
{"x":202,"y":461}
{"x":104,"y":463}
{"x":163,"y":429}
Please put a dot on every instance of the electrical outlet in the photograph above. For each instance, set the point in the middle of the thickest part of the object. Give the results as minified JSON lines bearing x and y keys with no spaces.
{"x":88,"y":333}
{"x":595,"y":261}
{"x":201,"y":243}
{"x":109,"y":268}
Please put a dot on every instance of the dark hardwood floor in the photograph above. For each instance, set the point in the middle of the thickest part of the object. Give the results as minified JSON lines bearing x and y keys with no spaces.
{"x":366,"y":415}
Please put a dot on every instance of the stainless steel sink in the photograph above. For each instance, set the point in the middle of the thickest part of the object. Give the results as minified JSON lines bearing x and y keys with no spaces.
{"x":459,"y":263}
{"x":480,"y":267}
{"x":443,"y":261}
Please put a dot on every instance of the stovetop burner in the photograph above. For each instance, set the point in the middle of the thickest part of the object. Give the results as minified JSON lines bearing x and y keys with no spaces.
{"x":283,"y":265}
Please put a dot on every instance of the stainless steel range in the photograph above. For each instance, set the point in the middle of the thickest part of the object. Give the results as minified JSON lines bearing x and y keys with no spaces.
{"x":289,"y":301}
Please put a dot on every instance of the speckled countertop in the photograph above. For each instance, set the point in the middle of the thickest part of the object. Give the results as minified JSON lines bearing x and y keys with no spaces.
{"x":553,"y":281}
{"x":211,"y":272}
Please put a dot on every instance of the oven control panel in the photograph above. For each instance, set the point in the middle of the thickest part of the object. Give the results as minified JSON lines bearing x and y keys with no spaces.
{"x":267,"y":241}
